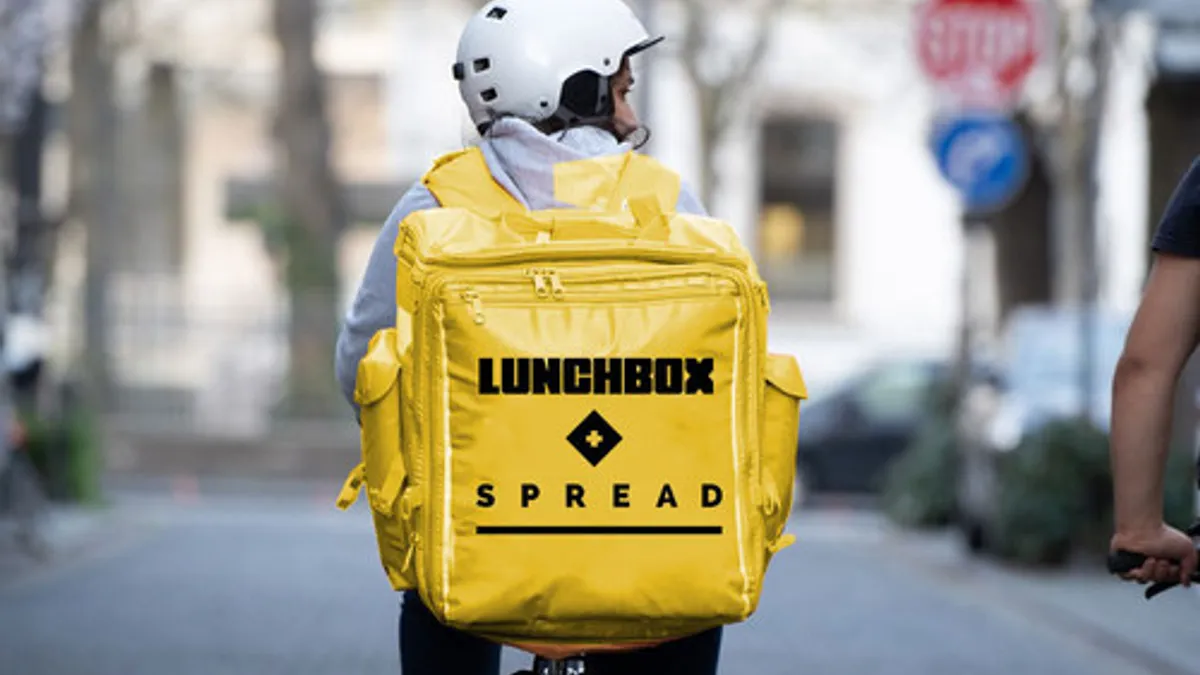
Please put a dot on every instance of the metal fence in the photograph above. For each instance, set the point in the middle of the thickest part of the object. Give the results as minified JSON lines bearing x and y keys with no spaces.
{"x":217,"y":369}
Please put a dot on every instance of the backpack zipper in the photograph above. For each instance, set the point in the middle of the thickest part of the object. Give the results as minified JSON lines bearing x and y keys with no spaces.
{"x":539,"y":282}
{"x":556,"y":285}
{"x":476,"y":304}
{"x":548,"y":283}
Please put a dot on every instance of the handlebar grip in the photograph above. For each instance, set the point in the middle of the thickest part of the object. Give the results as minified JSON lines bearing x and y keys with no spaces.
{"x":1120,"y":562}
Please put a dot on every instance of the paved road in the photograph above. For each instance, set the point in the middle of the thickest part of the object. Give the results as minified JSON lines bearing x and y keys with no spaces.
{"x":241,"y":586}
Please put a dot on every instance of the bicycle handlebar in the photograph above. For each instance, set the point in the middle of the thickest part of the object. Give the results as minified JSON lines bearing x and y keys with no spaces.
{"x":1121,"y":562}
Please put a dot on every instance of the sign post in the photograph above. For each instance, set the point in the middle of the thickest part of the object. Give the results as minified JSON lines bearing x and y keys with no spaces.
{"x":978,"y":55}
{"x":984,"y":157}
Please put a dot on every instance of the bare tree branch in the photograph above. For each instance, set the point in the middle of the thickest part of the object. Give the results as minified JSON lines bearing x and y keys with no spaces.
{"x":23,"y":37}
{"x":28,"y":33}
{"x":741,"y":79}
{"x":693,"y":42}
{"x":719,"y":94}
{"x":762,"y":32}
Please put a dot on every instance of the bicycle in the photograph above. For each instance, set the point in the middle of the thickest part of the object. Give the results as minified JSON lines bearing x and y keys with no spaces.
{"x":1120,"y":562}
{"x":542,"y":666}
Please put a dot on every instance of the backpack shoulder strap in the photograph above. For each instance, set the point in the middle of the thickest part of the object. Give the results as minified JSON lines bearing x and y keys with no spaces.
{"x":461,"y":179}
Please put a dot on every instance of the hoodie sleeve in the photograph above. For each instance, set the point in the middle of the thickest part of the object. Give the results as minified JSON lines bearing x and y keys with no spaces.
{"x":374,"y":305}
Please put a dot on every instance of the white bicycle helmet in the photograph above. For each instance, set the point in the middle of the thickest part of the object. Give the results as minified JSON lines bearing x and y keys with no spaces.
{"x":544,"y":59}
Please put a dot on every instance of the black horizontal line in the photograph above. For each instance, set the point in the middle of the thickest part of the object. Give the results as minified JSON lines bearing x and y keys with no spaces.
{"x":599,"y":529}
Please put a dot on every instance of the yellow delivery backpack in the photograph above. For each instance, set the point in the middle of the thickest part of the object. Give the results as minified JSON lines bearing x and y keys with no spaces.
{"x":575,"y":434}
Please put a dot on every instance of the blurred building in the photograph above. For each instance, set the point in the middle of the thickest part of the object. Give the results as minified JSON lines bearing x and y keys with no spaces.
{"x":825,"y":171}
{"x":198,"y":314}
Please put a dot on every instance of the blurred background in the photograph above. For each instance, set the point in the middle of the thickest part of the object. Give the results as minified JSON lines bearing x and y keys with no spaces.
{"x":190,"y":190}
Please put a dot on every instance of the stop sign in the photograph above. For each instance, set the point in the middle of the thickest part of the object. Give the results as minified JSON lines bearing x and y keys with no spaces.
{"x":981,"y":50}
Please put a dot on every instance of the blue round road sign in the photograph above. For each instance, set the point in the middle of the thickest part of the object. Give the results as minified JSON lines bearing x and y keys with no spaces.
{"x":983,"y":156}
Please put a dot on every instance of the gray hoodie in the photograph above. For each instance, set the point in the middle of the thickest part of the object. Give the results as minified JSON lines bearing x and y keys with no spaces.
{"x":522,"y":160}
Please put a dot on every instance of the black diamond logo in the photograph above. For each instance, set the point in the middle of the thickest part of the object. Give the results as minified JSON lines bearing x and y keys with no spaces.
{"x":594,"y":438}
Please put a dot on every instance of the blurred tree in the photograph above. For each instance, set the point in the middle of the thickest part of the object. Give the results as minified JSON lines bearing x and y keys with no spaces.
{"x":25,"y":38}
{"x":30,"y":31}
{"x":303,"y":232}
{"x":721,"y":77}
{"x":93,"y":187}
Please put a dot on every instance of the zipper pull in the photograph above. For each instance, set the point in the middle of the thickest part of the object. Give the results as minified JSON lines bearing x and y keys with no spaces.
{"x":556,"y":284}
{"x":476,"y":305}
{"x":539,"y":283}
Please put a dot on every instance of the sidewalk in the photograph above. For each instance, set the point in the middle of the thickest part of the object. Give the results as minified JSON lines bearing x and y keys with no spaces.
{"x":1159,"y":635}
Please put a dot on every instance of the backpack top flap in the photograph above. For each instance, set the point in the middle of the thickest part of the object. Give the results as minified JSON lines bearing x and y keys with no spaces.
{"x":625,"y":197}
{"x":461,"y":179}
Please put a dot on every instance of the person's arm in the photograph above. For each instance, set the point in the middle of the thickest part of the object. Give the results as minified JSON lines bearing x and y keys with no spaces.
{"x":374,"y":306}
{"x":1160,"y":341}
{"x":1162,"y":337}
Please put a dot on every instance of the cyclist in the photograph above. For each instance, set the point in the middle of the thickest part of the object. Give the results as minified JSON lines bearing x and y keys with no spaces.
{"x":1162,"y":338}
{"x":544,"y":82}
{"x":24,"y":356}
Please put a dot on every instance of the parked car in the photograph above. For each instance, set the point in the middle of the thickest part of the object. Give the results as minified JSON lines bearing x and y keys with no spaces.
{"x":1040,"y":381}
{"x":849,"y":437}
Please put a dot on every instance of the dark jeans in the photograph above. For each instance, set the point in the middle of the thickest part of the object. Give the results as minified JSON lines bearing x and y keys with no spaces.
{"x":429,"y":648}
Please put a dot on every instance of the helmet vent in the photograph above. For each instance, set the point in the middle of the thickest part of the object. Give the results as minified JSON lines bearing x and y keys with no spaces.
{"x":497,"y":13}
{"x":481,"y":65}
{"x":489,"y":95}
